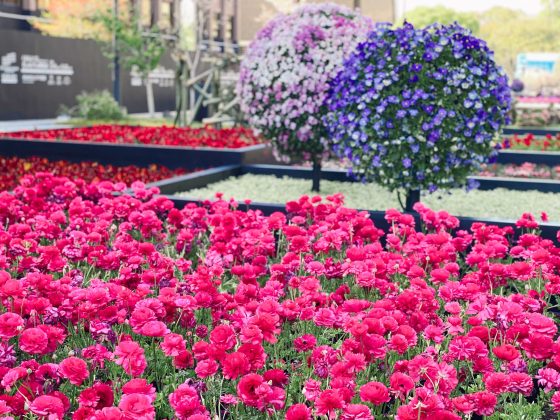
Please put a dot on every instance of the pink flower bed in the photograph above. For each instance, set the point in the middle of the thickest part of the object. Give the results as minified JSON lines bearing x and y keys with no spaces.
{"x":525,"y":170}
{"x":539,"y":99}
{"x":121,"y":307}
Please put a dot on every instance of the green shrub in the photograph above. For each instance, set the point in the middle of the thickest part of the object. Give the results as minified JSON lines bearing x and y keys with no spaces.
{"x":96,"y":105}
{"x":519,"y":411}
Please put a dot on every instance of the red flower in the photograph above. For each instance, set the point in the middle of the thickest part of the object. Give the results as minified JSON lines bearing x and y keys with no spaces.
{"x":328,"y":402}
{"x":497,"y":382}
{"x":247,"y":389}
{"x":401,"y":384}
{"x":74,"y":369}
{"x":154,"y":329}
{"x":305,"y":342}
{"x":521,"y":383}
{"x":485,"y":402}
{"x":98,"y":396}
{"x":206,"y":368}
{"x":223,"y":337}
{"x":235,"y":365}
{"x":298,"y":412}
{"x":33,"y":341}
{"x":140,"y":386}
{"x":356,"y":412}
{"x":556,"y":402}
{"x":506,"y":352}
{"x":276,"y":377}
{"x":183,"y":360}
{"x":375,"y":393}
{"x":137,"y":406}
{"x":131,"y":357}
{"x":173,"y":345}
{"x":186,"y":402}
{"x":10,"y":325}
{"x":47,"y":406}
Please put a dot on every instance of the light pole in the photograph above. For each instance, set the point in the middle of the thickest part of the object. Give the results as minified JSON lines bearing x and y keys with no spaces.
{"x":116,"y":62}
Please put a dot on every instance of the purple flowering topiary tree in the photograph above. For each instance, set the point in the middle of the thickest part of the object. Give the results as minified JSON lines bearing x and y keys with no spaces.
{"x":417,"y":108}
{"x":285,"y":75}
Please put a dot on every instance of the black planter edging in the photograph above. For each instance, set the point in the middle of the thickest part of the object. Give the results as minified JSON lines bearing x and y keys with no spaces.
{"x":135,"y":154}
{"x":486,"y":183}
{"x":537,"y":131}
{"x":198,"y":179}
{"x":548,"y":230}
{"x":521,"y":156}
{"x":203,"y":178}
{"x":517,"y":184}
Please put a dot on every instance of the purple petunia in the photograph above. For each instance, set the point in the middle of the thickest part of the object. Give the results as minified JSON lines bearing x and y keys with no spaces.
{"x":435,"y":100}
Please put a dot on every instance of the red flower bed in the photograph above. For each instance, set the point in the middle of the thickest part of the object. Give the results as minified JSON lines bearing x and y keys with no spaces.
{"x":225,"y":138}
{"x":121,"y":307}
{"x":525,"y":170}
{"x":531,"y":142}
{"x":12,"y":169}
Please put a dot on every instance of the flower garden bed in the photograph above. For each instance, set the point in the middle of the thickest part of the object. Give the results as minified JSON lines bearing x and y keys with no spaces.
{"x":540,"y":147}
{"x":547,"y":143}
{"x":525,"y":170}
{"x":536,"y":131}
{"x":124,"y":307}
{"x":266,"y":192}
{"x":518,"y":157}
{"x":135,"y":154}
{"x":224,"y":138}
{"x":12,"y":169}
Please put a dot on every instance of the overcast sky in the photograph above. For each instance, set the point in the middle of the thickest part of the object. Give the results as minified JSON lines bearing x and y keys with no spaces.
{"x":531,"y":7}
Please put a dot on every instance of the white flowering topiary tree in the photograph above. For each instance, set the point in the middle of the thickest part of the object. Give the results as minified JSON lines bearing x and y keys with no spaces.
{"x":286,"y":72}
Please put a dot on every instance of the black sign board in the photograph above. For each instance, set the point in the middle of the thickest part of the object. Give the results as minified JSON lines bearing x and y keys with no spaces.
{"x":38,"y":74}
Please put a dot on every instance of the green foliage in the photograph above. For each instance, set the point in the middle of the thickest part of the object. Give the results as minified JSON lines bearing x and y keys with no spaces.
{"x":424,"y":16}
{"x":138,"y":47}
{"x":519,"y":411}
{"x":508,"y":32}
{"x":96,"y":105}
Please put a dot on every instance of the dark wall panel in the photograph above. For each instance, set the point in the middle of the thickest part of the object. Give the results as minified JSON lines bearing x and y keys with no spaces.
{"x":39,"y":73}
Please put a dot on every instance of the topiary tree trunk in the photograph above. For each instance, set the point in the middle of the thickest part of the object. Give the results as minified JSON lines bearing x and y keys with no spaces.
{"x":412,"y":197}
{"x":316,"y":175}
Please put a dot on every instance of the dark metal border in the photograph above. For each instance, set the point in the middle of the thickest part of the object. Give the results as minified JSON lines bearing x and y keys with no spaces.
{"x":537,"y":131}
{"x":200,"y":179}
{"x":135,"y":154}
{"x":521,"y":156}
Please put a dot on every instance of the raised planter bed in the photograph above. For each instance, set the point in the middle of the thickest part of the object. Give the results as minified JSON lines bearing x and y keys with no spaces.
{"x":521,"y":156}
{"x":136,"y":154}
{"x":14,"y":169}
{"x":537,"y":131}
{"x":197,"y":180}
{"x":518,"y":184}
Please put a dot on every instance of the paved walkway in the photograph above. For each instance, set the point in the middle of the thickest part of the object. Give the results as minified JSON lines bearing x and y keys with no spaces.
{"x":47,"y":124}
{"x":19,"y":125}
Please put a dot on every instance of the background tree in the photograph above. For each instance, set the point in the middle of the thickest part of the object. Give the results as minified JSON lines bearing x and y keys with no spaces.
{"x":140,"y":49}
{"x":508,"y":32}
{"x":74,"y":18}
{"x":424,"y":16}
{"x":284,"y":77}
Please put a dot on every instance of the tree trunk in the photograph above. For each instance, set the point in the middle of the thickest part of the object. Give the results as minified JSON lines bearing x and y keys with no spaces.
{"x":316,"y":175}
{"x":150,"y":98}
{"x":412,"y":197}
{"x":179,"y":94}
